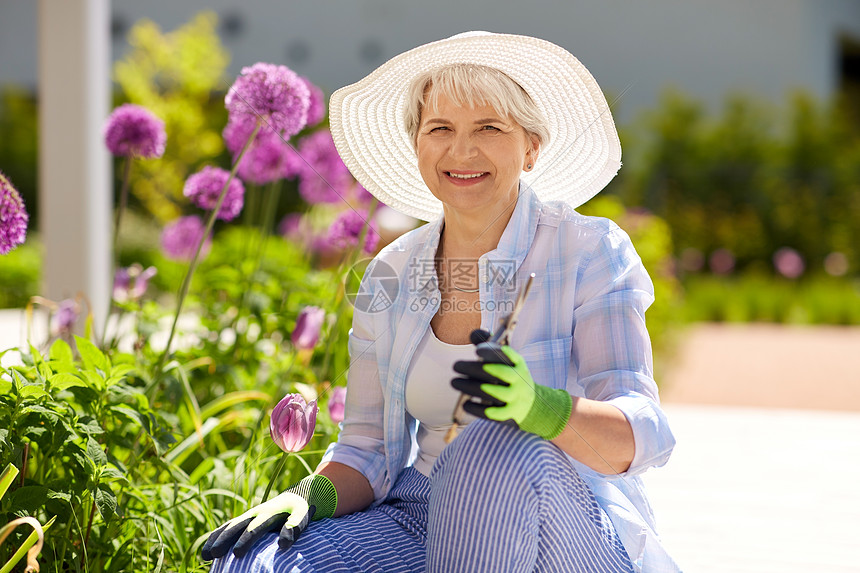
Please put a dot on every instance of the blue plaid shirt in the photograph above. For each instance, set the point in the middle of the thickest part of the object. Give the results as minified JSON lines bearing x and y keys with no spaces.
{"x":582,"y":328}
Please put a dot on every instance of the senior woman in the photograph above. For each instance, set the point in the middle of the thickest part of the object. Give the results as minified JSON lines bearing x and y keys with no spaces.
{"x":494,"y":139}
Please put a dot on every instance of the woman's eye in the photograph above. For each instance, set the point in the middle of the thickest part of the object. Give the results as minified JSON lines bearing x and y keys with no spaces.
{"x":441,"y":127}
{"x":491,"y":128}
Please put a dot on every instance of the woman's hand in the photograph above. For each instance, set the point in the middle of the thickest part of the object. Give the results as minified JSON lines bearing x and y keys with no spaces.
{"x":503,"y":384}
{"x":312,"y":498}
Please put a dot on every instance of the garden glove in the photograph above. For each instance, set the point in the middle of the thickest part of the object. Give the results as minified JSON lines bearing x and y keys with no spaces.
{"x":312,"y":498}
{"x":502,"y":382}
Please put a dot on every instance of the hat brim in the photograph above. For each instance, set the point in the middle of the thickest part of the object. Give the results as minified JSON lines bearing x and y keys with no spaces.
{"x":583,"y":154}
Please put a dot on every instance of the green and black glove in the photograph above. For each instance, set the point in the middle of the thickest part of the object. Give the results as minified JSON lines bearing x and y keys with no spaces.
{"x":312,"y":498}
{"x":505,"y":391}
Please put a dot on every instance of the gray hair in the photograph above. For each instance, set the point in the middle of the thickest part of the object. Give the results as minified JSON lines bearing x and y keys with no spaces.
{"x":467,"y":85}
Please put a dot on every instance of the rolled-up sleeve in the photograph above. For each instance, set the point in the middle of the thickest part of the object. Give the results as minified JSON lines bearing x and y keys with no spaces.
{"x":361,"y":442}
{"x":611,"y":347}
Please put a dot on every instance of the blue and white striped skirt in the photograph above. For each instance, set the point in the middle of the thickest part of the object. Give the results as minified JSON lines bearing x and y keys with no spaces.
{"x":498,"y":499}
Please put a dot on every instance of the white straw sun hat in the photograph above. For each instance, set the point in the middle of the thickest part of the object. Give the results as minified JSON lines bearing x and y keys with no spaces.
{"x":581,"y":157}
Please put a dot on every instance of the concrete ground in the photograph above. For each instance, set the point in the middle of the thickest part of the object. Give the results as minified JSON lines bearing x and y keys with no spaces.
{"x":765,"y":474}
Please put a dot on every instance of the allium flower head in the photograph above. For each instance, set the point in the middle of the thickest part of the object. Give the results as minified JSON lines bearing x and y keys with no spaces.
{"x":722,"y":261}
{"x":292,"y":423}
{"x":323,"y":178}
{"x":13,"y":217}
{"x":204,"y":187}
{"x":788,"y":263}
{"x":272,"y":94}
{"x":269,"y":159}
{"x":180,"y":238}
{"x":132,"y":130}
{"x":316,"y":109}
{"x":346,"y":229}
{"x":337,"y":404}
{"x":308,"y":326}
{"x":130,"y":283}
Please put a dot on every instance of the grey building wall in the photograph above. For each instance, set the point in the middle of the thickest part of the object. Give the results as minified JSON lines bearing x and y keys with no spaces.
{"x":703,"y":47}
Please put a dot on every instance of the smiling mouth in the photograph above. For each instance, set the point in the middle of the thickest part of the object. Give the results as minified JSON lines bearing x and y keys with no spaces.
{"x":465,"y":176}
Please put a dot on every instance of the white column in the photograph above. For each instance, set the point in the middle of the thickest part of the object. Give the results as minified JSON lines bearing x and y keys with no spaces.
{"x":74,"y":167}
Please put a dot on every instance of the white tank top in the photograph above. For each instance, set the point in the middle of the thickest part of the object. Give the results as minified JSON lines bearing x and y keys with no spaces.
{"x":430,"y":399}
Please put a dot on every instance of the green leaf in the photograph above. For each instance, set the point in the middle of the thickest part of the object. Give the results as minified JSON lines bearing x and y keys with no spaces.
{"x":91,"y":356}
{"x":65,"y":380}
{"x":61,"y":351}
{"x":29,"y":498}
{"x":33,"y":391}
{"x":121,"y":370}
{"x":59,"y":495}
{"x":105,"y":501}
{"x":5,"y":387}
{"x":94,"y":380}
{"x":89,"y":426}
{"x":110,"y":473}
{"x":96,"y":452}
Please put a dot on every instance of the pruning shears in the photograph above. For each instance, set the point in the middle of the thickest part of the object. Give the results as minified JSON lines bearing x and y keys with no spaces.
{"x":502,"y":337}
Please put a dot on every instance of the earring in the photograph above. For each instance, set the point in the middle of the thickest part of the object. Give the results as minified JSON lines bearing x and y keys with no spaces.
{"x":529,"y":167}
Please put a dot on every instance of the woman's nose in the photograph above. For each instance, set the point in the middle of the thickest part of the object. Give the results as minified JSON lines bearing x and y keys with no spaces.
{"x":462,"y":146}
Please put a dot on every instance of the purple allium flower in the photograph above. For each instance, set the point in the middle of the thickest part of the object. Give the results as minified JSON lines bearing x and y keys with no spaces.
{"x":236,"y":134}
{"x":722,"y":261}
{"x":788,"y":263}
{"x":292,"y":423}
{"x":13,"y":217}
{"x":130,"y":283}
{"x":346,"y":229}
{"x":324,"y":178}
{"x":64,"y":318}
{"x":316,"y":109}
{"x":180,"y":238}
{"x":204,"y":187}
{"x":308,"y":326}
{"x":132,"y":130}
{"x":272,"y":94}
{"x":337,"y":404}
{"x":269,"y":159}
{"x":362,"y":195}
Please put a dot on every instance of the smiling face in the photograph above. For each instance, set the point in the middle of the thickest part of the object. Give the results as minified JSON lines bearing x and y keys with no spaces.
{"x":471,"y":158}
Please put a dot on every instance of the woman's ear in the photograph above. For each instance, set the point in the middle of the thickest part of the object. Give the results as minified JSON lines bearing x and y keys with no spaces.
{"x":532,"y":152}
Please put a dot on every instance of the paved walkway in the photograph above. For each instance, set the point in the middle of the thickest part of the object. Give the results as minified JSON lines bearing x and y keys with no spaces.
{"x":766,"y":473}
{"x":764,"y":491}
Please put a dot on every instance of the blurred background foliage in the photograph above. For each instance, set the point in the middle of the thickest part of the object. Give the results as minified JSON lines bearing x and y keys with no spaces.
{"x":733,"y":188}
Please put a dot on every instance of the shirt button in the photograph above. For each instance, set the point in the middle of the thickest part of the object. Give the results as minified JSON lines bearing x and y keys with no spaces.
{"x":485,"y":278}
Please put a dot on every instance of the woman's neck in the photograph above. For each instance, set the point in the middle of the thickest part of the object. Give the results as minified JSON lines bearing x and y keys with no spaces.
{"x":470,"y":237}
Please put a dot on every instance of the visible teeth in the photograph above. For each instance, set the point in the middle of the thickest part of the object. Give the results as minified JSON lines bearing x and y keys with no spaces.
{"x":458,"y":176}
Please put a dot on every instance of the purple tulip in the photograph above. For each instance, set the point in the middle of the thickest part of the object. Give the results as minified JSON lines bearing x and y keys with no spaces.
{"x":308,"y":325}
{"x":292,"y":423}
{"x":337,"y":404}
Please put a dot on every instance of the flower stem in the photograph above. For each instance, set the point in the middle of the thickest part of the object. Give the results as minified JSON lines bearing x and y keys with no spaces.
{"x":275,"y":475}
{"x":123,"y":203}
{"x":210,"y":223}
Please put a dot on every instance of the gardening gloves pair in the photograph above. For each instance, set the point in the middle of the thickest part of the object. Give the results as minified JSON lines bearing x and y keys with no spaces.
{"x":312,"y":498}
{"x":502,"y":389}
